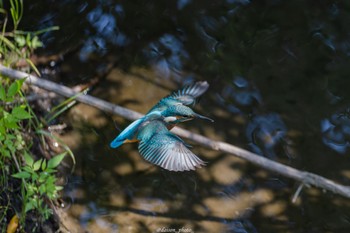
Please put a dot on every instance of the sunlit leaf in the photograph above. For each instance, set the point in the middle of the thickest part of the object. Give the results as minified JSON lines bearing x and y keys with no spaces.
{"x":13,"y":89}
{"x":36,"y":43}
{"x":28,"y":39}
{"x":43,"y":165}
{"x":28,"y":159}
{"x":21,"y":41}
{"x":37,"y":165}
{"x":21,"y":175}
{"x":55,"y":161}
{"x":28,"y":169}
{"x":20,"y":113}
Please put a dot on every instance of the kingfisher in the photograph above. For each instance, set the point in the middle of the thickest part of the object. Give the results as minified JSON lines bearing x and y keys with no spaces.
{"x":156,"y":143}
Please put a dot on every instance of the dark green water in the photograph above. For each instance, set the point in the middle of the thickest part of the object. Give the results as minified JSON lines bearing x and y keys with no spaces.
{"x":279,"y":76}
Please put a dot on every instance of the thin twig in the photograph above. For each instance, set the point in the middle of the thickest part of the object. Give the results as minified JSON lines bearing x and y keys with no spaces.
{"x":304,"y":177}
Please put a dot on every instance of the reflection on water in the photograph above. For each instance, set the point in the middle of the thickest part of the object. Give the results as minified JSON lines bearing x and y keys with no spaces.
{"x":241,"y":95}
{"x":265,"y":132}
{"x":105,"y":30}
{"x":279,"y":75}
{"x":336,"y":131}
{"x":167,"y":55}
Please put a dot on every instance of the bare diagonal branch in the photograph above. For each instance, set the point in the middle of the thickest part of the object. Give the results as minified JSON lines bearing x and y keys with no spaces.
{"x":304,"y":177}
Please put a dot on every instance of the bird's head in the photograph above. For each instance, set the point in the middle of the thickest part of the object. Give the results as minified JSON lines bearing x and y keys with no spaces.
{"x":181,"y":113}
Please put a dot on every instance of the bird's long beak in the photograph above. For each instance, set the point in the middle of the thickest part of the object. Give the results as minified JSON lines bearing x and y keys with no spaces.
{"x":203,"y":117}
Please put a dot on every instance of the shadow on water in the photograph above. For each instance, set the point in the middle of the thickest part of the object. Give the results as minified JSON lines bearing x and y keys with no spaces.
{"x":279,"y":75}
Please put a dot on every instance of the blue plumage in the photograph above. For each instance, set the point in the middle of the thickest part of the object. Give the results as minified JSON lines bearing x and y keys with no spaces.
{"x":128,"y":133}
{"x":163,"y":148}
{"x":156,"y":143}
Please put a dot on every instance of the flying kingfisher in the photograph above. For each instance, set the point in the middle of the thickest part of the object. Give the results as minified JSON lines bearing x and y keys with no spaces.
{"x":156,"y":143}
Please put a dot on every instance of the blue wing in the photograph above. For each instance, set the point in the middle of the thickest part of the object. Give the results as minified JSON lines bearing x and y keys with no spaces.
{"x":128,"y":133}
{"x":185,"y":96}
{"x":188,"y":94}
{"x":166,"y":150}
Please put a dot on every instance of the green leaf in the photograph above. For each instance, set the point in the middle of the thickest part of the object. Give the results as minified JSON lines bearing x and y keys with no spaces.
{"x":20,"y":82}
{"x":21,"y":175}
{"x":28,"y":39}
{"x":35,"y":177}
{"x":13,"y":89}
{"x":2,"y":127}
{"x":28,"y":206}
{"x":10,"y":122}
{"x":28,"y":159}
{"x":31,"y":64}
{"x":43,"y":165}
{"x":10,"y":136}
{"x":28,"y":169}
{"x":21,"y":41}
{"x":5,"y":152}
{"x":20,"y":113}
{"x":55,"y":161}
{"x":37,"y":165}
{"x":42,"y":189}
{"x":2,"y":93}
{"x":43,"y":177}
{"x":50,"y":170}
{"x":10,"y":44}
{"x":9,"y":144}
{"x":36,"y":43}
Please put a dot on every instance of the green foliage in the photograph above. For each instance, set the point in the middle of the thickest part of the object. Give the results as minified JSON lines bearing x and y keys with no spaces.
{"x":18,"y":45}
{"x":16,"y":12}
{"x":38,"y":177}
{"x":40,"y":180}
{"x":18,"y":126}
{"x":10,"y":120}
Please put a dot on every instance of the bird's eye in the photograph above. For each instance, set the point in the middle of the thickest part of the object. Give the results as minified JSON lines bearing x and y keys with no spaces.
{"x":187,"y":116}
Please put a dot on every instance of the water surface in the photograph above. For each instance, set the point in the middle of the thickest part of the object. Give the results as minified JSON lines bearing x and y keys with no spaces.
{"x":278,"y":72}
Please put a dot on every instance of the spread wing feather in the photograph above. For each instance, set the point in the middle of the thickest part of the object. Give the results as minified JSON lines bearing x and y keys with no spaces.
{"x":188,"y":94}
{"x":167,"y":150}
{"x":185,"y":96}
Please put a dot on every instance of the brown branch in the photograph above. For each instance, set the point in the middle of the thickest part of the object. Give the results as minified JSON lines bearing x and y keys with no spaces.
{"x":304,"y":177}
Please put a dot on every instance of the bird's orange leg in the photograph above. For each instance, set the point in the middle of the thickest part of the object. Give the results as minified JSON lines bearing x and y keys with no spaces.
{"x":130,"y":141}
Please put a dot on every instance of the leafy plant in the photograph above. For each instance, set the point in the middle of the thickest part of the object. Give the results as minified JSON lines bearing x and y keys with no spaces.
{"x":10,"y":118}
{"x":40,"y":182}
{"x":17,"y":45}
{"x":38,"y":177}
{"x":16,"y":12}
{"x":22,"y":178}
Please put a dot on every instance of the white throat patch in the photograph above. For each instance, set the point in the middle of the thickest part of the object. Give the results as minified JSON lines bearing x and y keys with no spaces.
{"x":170,"y":118}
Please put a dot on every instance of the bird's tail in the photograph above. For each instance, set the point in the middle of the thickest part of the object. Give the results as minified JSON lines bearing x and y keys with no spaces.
{"x":116,"y":143}
{"x":127,"y":134}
